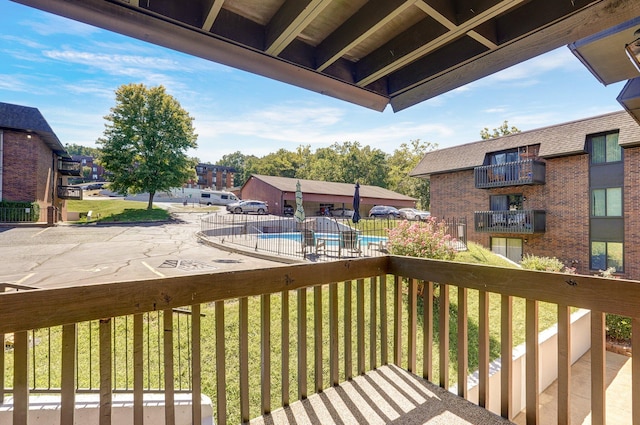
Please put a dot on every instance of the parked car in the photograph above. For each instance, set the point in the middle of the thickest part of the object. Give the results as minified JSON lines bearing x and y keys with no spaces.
{"x":342,"y":212}
{"x":413,"y":214}
{"x":384,"y":211}
{"x":246,"y":207}
{"x":288,"y":210}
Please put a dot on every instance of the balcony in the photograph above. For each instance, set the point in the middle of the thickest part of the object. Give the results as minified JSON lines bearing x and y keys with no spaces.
{"x":526,"y":172}
{"x":68,"y":167}
{"x":70,"y":192}
{"x":518,"y":221}
{"x":368,"y":323}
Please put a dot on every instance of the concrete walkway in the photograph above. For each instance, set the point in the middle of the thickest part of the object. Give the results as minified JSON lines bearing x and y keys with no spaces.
{"x":618,"y":407}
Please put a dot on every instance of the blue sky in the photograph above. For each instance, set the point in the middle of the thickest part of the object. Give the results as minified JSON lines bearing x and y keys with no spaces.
{"x":69,"y":71}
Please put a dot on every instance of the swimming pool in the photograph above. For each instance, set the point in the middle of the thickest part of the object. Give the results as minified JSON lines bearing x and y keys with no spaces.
{"x":329,"y":237}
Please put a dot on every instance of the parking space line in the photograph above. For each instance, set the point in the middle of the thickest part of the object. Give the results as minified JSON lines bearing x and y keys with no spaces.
{"x":152,"y":269}
{"x":41,"y":232}
{"x":19,"y":282}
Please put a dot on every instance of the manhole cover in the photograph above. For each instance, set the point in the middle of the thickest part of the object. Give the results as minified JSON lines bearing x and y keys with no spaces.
{"x":188,"y":265}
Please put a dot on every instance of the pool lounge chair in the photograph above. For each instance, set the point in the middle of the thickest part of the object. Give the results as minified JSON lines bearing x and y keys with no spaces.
{"x":349,"y":241}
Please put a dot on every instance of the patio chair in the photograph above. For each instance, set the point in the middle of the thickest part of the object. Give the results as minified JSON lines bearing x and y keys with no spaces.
{"x":349,"y":241}
{"x":308,"y":239}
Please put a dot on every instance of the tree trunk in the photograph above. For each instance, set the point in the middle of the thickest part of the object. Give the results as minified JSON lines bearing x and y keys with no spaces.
{"x":150,"y":204}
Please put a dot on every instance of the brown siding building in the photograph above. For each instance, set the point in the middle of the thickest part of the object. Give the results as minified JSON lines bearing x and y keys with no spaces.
{"x":569,"y":191}
{"x":318,"y":195}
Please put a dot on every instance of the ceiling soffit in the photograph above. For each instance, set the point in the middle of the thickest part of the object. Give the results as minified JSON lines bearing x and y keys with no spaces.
{"x":372,"y":53}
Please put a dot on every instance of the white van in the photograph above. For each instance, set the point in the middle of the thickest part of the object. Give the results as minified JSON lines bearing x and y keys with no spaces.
{"x":217,"y":197}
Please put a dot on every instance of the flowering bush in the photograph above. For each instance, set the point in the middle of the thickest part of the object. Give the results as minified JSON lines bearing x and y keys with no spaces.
{"x":425,"y":239}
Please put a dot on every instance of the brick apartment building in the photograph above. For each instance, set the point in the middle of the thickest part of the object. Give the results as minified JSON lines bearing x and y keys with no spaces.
{"x":34,"y":166}
{"x":570,"y":191}
{"x":96,"y":173}
{"x":216,"y":177}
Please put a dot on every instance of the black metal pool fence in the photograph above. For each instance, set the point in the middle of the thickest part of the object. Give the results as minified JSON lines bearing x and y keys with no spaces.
{"x":316,"y":238}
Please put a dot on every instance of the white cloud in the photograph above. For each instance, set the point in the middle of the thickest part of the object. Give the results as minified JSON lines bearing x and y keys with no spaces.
{"x":49,"y":24}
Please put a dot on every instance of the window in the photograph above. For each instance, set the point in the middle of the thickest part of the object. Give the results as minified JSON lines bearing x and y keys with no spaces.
{"x":607,"y":254}
{"x":605,"y":148}
{"x":606,"y":202}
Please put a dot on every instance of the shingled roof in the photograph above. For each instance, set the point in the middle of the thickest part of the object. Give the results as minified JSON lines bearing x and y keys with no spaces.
{"x":558,"y":140}
{"x":287,"y":184}
{"x":25,"y":118}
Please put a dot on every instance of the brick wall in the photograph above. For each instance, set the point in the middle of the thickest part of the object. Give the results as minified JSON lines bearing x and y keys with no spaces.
{"x":564,"y":197}
{"x":632,"y":213}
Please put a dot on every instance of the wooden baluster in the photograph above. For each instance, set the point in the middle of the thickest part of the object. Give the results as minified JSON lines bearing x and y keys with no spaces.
{"x":532,"y":375}
{"x":138,"y":369}
{"x":333,"y":335}
{"x":360,"y":324}
{"x":373,"y":328}
{"x":412,"y":317}
{"x":284,"y":358}
{"x":105,"y":372}
{"x":463,"y":342}
{"x":635,"y":369}
{"x":169,"y":391}
{"x":506,"y":353}
{"x":68,"y":379}
{"x":564,"y":364}
{"x":384,"y":337}
{"x":221,"y":363}
{"x":483,"y":349}
{"x":397,"y":322}
{"x":196,"y":366}
{"x":444,"y":336}
{"x":243,"y":325}
{"x":317,"y":326}
{"x":265,"y":348}
{"x":20,"y":377}
{"x":302,"y":343}
{"x":348,"y":346}
{"x":427,"y":330}
{"x":598,"y":368}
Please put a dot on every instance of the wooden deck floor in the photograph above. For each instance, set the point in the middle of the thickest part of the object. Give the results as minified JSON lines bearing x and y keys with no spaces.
{"x":387,"y":395}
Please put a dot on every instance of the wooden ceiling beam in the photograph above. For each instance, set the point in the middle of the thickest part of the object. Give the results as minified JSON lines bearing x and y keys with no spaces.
{"x":290,"y":20}
{"x":212,"y":14}
{"x":369,"y":19}
{"x":368,"y":72}
{"x":589,"y":20}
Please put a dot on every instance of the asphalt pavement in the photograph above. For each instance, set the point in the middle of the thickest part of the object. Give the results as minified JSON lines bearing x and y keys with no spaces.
{"x":71,"y":255}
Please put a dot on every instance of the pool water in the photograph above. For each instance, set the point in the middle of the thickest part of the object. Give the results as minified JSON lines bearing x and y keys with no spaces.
{"x":295,"y":236}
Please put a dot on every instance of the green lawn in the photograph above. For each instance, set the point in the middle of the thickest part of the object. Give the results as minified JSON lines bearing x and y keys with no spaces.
{"x":117,"y":210}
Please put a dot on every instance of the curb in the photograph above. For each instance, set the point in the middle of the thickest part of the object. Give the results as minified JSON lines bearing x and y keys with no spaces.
{"x":202,"y":238}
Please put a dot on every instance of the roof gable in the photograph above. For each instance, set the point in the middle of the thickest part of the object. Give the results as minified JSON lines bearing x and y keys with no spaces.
{"x":26,"y":118}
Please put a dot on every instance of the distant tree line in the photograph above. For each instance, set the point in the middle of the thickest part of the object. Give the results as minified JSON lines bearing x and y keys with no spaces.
{"x":347,"y":162}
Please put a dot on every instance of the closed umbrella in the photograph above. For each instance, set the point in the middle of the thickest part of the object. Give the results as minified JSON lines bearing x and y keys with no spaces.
{"x":356,"y":204}
{"x":299,"y":215}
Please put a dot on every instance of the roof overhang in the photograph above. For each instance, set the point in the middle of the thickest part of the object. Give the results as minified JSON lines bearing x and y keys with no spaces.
{"x":605,"y":54}
{"x":371,"y":53}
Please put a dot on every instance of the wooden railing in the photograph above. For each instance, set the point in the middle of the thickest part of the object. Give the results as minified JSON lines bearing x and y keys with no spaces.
{"x":515,"y":221}
{"x":343,"y":317}
{"x":525,"y":172}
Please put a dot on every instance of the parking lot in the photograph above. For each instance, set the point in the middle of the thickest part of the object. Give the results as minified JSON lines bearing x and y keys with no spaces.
{"x":67,"y":255}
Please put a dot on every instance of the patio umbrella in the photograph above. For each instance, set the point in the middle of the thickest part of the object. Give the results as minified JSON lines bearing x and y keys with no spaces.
{"x":356,"y":204}
{"x":299,"y":215}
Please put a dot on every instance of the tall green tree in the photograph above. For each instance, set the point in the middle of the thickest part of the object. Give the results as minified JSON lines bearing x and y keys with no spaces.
{"x":75,"y":149}
{"x":145,"y":141}
{"x":503,"y":130}
{"x":240,"y":162}
{"x":401,"y":163}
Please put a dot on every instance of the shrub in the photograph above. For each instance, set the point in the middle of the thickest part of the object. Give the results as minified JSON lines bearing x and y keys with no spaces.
{"x":545,"y":264}
{"x":15,"y":211}
{"x":425,"y":239}
{"x":618,"y":327}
